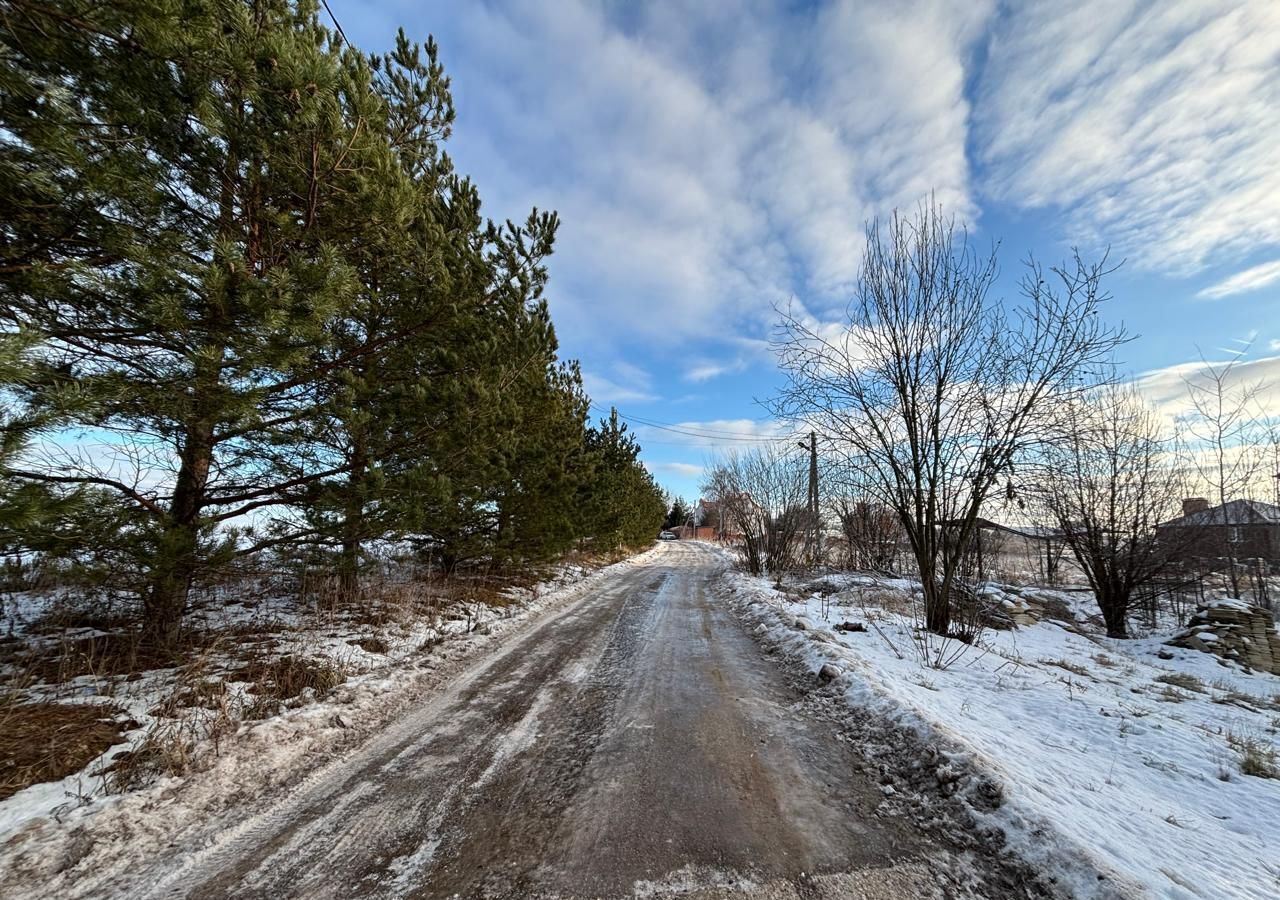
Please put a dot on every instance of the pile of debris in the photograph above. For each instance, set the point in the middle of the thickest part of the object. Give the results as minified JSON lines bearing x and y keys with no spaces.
{"x":1010,"y":606}
{"x":1235,"y":630}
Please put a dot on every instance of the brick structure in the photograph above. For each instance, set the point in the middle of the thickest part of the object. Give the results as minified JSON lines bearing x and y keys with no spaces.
{"x":1240,"y":529}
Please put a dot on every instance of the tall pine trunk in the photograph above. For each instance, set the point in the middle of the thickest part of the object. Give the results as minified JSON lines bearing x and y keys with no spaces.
{"x":178,"y":553}
{"x":353,"y":518}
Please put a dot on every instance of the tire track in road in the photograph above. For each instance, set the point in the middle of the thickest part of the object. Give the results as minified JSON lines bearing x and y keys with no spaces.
{"x":637,"y":742}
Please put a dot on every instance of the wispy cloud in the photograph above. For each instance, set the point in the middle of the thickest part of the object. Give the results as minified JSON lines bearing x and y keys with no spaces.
{"x":605,"y":391}
{"x":686,"y":470}
{"x":714,"y":370}
{"x":709,"y":160}
{"x":1250,"y":279}
{"x":716,"y":434}
{"x":1166,"y":388}
{"x":1154,"y":127}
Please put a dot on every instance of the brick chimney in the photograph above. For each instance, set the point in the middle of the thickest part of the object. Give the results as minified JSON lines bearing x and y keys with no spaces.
{"x":1194,"y":505}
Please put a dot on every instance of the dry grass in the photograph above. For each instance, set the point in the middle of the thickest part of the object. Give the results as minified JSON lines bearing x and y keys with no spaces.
{"x":371,"y":645}
{"x":96,"y":616}
{"x":1074,"y":668}
{"x":888,"y":599}
{"x":286,"y":677}
{"x":1183,"y":680}
{"x":1257,"y":757}
{"x":48,"y":741}
{"x":101,"y":656}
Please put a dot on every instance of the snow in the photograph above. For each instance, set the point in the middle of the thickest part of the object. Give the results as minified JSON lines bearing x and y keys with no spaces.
{"x":1104,"y":769}
{"x":42,"y":827}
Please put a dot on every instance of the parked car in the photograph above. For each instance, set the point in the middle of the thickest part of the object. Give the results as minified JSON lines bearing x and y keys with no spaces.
{"x":667,"y":536}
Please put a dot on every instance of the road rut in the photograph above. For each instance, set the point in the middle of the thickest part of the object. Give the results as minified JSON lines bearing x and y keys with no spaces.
{"x":638,"y":742}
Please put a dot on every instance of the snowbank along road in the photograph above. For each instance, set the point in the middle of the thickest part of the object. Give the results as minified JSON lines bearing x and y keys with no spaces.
{"x":635,"y":743}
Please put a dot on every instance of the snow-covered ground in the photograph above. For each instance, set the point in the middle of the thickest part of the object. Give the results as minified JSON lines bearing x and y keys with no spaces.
{"x":1106,"y":751}
{"x":234,"y":753}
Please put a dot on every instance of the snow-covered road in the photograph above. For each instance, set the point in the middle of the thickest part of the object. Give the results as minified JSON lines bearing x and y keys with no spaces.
{"x":635,"y":742}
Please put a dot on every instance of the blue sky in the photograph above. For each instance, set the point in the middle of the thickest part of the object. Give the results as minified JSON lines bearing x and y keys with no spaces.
{"x":711,"y":160}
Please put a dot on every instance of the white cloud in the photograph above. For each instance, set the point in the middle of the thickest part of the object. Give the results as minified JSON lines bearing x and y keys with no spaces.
{"x":624,"y":383}
{"x":685,"y":470}
{"x":1251,"y":279}
{"x":1154,"y":127}
{"x":604,"y":391}
{"x":714,"y":434}
{"x":1166,"y":388}
{"x":709,"y":160}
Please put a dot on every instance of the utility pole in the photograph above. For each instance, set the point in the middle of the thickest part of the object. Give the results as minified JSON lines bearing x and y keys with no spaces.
{"x":813,"y":534}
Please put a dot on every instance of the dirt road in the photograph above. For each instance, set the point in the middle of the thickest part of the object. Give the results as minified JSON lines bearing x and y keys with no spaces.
{"x":637,"y":742}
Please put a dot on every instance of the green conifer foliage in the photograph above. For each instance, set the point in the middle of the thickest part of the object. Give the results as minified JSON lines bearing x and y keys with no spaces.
{"x":239,"y":266}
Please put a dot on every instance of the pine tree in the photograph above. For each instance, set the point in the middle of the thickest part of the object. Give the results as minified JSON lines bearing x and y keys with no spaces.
{"x":622,"y":504}
{"x":170,"y":163}
{"x":678,"y":514}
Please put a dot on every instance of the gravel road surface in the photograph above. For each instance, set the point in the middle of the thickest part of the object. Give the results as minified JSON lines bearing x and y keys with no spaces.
{"x":637,"y":742}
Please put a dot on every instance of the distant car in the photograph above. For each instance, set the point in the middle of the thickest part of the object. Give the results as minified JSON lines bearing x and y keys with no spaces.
{"x":667,"y":536}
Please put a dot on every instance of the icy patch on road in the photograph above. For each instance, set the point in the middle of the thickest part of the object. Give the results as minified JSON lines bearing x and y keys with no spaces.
{"x":515,"y":740}
{"x":85,"y":849}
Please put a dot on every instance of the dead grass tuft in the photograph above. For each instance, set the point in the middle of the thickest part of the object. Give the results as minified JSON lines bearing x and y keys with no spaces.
{"x":101,"y":656}
{"x":1074,"y":668}
{"x":1257,"y":757}
{"x":888,"y":599}
{"x":286,"y":677}
{"x":48,"y":741}
{"x":371,"y":645}
{"x":1182,"y":680}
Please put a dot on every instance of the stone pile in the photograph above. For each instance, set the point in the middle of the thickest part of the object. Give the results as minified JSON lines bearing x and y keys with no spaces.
{"x":1234,"y":630}
{"x":1014,"y":607}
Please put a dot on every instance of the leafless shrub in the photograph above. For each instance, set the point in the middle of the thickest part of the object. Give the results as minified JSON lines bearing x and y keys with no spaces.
{"x":1107,"y":480}
{"x":931,"y":391}
{"x":1227,"y":431}
{"x":762,"y":494}
{"x":872,"y":534}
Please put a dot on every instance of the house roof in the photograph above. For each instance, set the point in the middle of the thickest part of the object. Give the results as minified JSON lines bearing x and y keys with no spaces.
{"x":1035,"y":532}
{"x":1233,"y":512}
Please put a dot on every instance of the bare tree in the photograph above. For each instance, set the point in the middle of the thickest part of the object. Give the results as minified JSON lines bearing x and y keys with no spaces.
{"x":932,"y":387}
{"x":762,"y":493}
{"x":1108,"y":479}
{"x":1226,"y":434}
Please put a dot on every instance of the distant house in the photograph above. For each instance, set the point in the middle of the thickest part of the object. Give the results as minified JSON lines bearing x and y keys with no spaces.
{"x":710,"y":521}
{"x":1241,"y":529}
